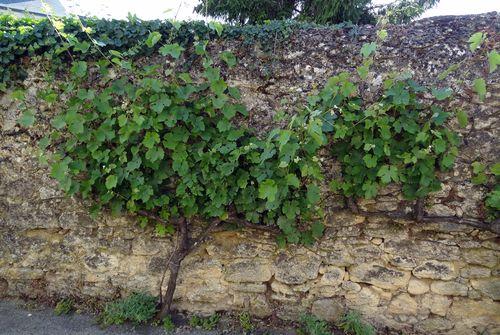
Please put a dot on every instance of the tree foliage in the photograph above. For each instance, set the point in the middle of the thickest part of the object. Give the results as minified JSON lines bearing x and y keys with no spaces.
{"x":318,"y":11}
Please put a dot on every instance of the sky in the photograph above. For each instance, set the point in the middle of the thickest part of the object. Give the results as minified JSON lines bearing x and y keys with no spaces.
{"x":183,"y":9}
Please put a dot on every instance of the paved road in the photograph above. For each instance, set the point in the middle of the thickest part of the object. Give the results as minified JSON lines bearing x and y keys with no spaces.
{"x":17,"y":320}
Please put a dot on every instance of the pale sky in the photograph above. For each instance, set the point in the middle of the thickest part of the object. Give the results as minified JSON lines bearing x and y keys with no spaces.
{"x":183,"y":9}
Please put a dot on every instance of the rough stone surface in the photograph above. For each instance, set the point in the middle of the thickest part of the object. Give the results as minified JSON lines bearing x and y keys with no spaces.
{"x":488,"y":286}
{"x":449,"y":288}
{"x":403,"y":304}
{"x":379,"y":275}
{"x":328,"y":309}
{"x":417,"y":286}
{"x":435,"y":270}
{"x":417,"y":277}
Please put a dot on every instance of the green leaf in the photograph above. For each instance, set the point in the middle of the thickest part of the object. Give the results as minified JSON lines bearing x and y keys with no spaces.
{"x":173,"y":50}
{"x":442,"y":93}
{"x":462,"y":118}
{"x":79,"y":69}
{"x":382,"y":34}
{"x":479,"y":179}
{"x":495,"y":169}
{"x":313,"y":194}
{"x":388,"y":173}
{"x":478,"y":167}
{"x":229,"y":58}
{"x":480,"y":88}
{"x":439,"y":145}
{"x":370,"y":189}
{"x":317,"y":229}
{"x":150,"y":139}
{"x":476,"y":40}
{"x":164,"y":230}
{"x":217,"y":26}
{"x":59,"y":170}
{"x":292,"y":180}
{"x":370,"y":160}
{"x":368,"y":48}
{"x":27,"y":119}
{"x":58,"y":122}
{"x":493,"y":60}
{"x":18,"y":95}
{"x":111,"y":181}
{"x":153,"y":38}
{"x":493,"y":199}
{"x":268,"y":190}
{"x":447,"y":161}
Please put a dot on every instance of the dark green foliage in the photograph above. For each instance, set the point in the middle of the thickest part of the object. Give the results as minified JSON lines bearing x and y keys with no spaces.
{"x":26,"y":37}
{"x":396,"y":139}
{"x":337,"y":11}
{"x":318,"y":11}
{"x":136,"y":308}
{"x":168,"y":147}
{"x":64,"y":306}
{"x":353,"y":325}
{"x":404,"y":11}
{"x":244,"y":11}
{"x":205,"y":323}
{"x":311,"y":325}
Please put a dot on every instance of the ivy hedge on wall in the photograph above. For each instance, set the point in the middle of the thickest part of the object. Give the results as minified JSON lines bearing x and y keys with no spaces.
{"x":28,"y":37}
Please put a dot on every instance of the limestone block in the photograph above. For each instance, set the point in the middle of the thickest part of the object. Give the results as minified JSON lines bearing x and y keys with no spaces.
{"x":378,"y":275}
{"x":249,"y":270}
{"x":435,"y":270}
{"x":330,"y":310}
{"x":434,"y":325}
{"x":146,"y":247}
{"x":281,"y":288}
{"x":485,"y":257}
{"x":403,"y":304}
{"x":474,"y":313}
{"x":488,"y":286}
{"x":351,"y":286}
{"x":333,"y":277}
{"x":417,"y":286}
{"x":437,"y":304}
{"x":404,"y":262}
{"x":296,"y":269}
{"x":449,"y":288}
{"x":365,"y":298}
{"x":473,"y":271}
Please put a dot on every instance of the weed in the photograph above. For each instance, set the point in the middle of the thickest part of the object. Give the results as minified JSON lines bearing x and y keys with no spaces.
{"x":168,"y":324}
{"x":64,"y":306}
{"x":246,"y":322}
{"x":137,"y":308}
{"x":352,"y":324}
{"x":208,"y":323}
{"x":311,"y":325}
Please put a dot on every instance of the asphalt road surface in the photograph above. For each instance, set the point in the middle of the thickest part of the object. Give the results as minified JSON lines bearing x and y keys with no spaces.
{"x":15,"y":319}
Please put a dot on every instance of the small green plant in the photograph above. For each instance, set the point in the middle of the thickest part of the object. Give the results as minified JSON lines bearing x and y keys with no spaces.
{"x":168,"y":324}
{"x":137,"y":308}
{"x":245,"y":322}
{"x":352,"y":324}
{"x":311,"y":325}
{"x":64,"y":306}
{"x":208,"y":323}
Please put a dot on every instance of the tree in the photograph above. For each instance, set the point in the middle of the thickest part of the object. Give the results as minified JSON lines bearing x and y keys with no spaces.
{"x":318,"y":11}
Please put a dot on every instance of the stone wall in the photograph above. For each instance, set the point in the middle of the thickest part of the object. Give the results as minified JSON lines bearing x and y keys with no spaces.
{"x":432,"y":278}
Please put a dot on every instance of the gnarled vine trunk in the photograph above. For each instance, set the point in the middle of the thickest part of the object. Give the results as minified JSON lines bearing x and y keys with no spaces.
{"x":180,"y":252}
